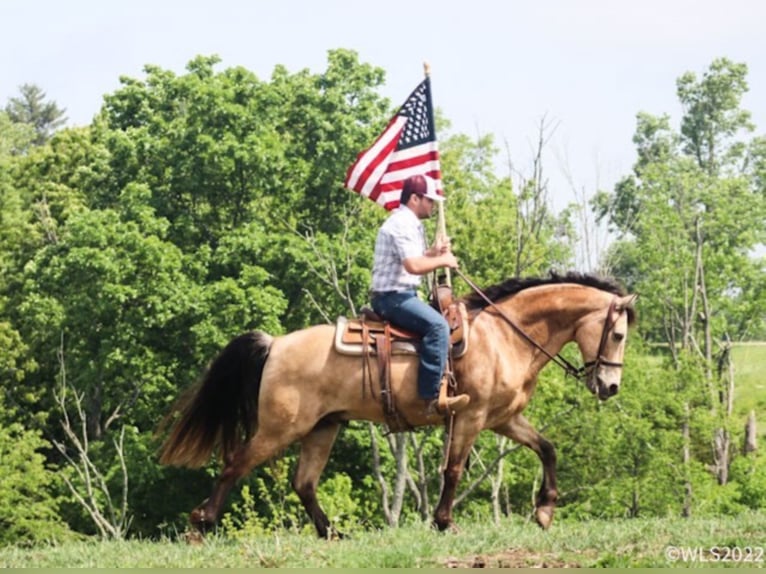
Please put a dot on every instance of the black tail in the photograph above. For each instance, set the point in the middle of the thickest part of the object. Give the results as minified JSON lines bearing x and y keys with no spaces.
{"x":222,"y":409}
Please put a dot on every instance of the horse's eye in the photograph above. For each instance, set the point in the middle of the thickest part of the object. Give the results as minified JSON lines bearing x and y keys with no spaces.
{"x":618,"y":336}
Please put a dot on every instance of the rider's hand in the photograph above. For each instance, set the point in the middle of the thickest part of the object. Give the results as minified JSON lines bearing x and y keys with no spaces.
{"x":450,"y":261}
{"x":442,"y":245}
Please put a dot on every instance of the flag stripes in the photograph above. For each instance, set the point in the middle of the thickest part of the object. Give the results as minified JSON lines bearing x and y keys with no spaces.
{"x":406,"y":147}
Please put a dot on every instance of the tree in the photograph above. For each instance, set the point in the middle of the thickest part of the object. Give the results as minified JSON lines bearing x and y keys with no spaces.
{"x":225,"y":150}
{"x":119,"y":299}
{"x":32,"y":109}
{"x":712,"y":116}
{"x":500,"y":228}
{"x":15,"y":137}
{"x":688,"y":219}
{"x":28,"y":506}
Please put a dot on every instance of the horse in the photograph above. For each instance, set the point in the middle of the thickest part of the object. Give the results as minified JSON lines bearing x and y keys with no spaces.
{"x":262,"y":393}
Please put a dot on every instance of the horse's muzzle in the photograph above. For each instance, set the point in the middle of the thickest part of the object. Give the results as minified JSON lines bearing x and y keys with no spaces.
{"x":606,"y":390}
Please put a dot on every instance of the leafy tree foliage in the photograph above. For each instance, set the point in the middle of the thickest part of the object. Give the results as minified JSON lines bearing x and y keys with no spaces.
{"x":14,"y":137}
{"x":31,"y":109}
{"x":692,"y":204}
{"x":27,"y":497}
{"x":689,"y":219}
{"x":200,"y":205}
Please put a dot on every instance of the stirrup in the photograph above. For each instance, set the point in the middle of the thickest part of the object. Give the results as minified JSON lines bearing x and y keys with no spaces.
{"x":453,"y":405}
{"x":450,"y":405}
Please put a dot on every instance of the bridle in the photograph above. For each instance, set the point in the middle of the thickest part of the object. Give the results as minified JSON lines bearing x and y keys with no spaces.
{"x":608,"y":326}
{"x":576,"y":372}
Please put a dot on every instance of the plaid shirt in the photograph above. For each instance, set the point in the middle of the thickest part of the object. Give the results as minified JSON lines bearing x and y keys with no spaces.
{"x":400,"y":237}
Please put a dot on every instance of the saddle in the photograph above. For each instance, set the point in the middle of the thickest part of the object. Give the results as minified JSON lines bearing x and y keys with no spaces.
{"x":358,"y":336}
{"x":370,"y":335}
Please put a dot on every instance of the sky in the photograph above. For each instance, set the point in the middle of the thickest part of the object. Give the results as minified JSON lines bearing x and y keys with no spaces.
{"x":585,"y":67}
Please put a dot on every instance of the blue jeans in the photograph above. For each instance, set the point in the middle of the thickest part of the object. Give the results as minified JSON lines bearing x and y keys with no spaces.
{"x":403,"y":309}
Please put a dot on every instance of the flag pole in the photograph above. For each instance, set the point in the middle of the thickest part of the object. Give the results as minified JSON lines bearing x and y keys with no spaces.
{"x":441,"y":222}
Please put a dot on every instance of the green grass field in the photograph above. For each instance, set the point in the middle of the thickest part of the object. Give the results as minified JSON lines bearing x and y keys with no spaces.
{"x":512,"y":543}
{"x":750,"y":377}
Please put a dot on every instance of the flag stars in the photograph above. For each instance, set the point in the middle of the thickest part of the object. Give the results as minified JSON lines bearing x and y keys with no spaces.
{"x":415,"y":109}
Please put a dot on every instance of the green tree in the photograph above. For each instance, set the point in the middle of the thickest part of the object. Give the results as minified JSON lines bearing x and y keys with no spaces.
{"x":15,"y":137}
{"x":115,"y":299}
{"x":694,"y":202}
{"x":221,"y":151}
{"x":15,"y":231}
{"x":499,"y":230}
{"x":30,"y":108}
{"x":30,"y":510}
{"x":688,"y":220}
{"x":712,"y":117}
{"x":100,"y":297}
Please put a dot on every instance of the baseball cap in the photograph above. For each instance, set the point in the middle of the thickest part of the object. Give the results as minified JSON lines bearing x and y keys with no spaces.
{"x":422,"y":185}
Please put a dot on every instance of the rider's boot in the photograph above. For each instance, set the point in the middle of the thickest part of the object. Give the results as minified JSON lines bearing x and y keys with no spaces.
{"x":445,"y":405}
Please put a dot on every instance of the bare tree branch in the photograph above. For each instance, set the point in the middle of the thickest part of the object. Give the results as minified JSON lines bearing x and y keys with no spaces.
{"x":325,"y":268}
{"x":93,"y":491}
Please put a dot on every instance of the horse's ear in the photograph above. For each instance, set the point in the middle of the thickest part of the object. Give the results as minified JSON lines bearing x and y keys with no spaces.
{"x":626,"y":302}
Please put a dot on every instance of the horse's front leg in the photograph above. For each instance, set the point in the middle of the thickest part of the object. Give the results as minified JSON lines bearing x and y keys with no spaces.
{"x":519,"y":429}
{"x":464,"y":434}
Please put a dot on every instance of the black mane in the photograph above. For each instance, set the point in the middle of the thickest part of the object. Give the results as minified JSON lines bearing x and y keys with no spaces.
{"x":475,"y":302}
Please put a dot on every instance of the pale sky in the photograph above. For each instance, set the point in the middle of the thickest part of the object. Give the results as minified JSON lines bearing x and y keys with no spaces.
{"x":497,"y":66}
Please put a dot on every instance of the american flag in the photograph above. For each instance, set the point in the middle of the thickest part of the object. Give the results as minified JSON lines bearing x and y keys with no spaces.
{"x":406,"y":147}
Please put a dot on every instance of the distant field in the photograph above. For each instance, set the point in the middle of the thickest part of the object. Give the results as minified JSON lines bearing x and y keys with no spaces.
{"x":750,"y":381}
{"x":750,"y":377}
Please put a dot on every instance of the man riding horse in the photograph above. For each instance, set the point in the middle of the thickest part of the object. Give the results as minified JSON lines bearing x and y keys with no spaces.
{"x":401,"y":259}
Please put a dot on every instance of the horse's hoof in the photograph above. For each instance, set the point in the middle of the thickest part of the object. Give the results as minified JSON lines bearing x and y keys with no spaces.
{"x":445,"y":524}
{"x":544,"y":516}
{"x":199,"y":521}
{"x":331,"y":534}
{"x":193,"y":537}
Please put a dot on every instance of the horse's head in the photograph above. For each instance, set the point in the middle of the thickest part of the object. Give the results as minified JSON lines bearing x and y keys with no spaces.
{"x":601,"y":339}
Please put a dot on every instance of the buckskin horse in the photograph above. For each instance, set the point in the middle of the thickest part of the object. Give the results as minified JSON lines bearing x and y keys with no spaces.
{"x":263,"y":393}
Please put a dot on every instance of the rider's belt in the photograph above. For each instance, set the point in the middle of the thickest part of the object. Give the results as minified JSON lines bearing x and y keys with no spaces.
{"x":374,"y":294}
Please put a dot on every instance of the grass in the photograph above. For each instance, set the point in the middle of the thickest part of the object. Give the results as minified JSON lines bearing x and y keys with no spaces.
{"x":750,"y":379}
{"x":512,"y":543}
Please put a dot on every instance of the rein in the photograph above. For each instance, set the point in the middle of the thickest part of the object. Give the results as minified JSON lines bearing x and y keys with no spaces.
{"x":569,"y":368}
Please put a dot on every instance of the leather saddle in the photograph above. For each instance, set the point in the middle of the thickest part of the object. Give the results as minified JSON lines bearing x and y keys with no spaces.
{"x":360,"y":335}
{"x":369,"y":335}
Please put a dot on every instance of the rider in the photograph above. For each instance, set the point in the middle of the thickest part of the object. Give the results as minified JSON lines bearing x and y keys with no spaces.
{"x":401,"y":258}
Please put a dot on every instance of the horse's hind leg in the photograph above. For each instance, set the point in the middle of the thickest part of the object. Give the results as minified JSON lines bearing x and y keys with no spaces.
{"x":519,"y":429}
{"x":204,"y":517}
{"x":261,"y":447}
{"x":315,"y":450}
